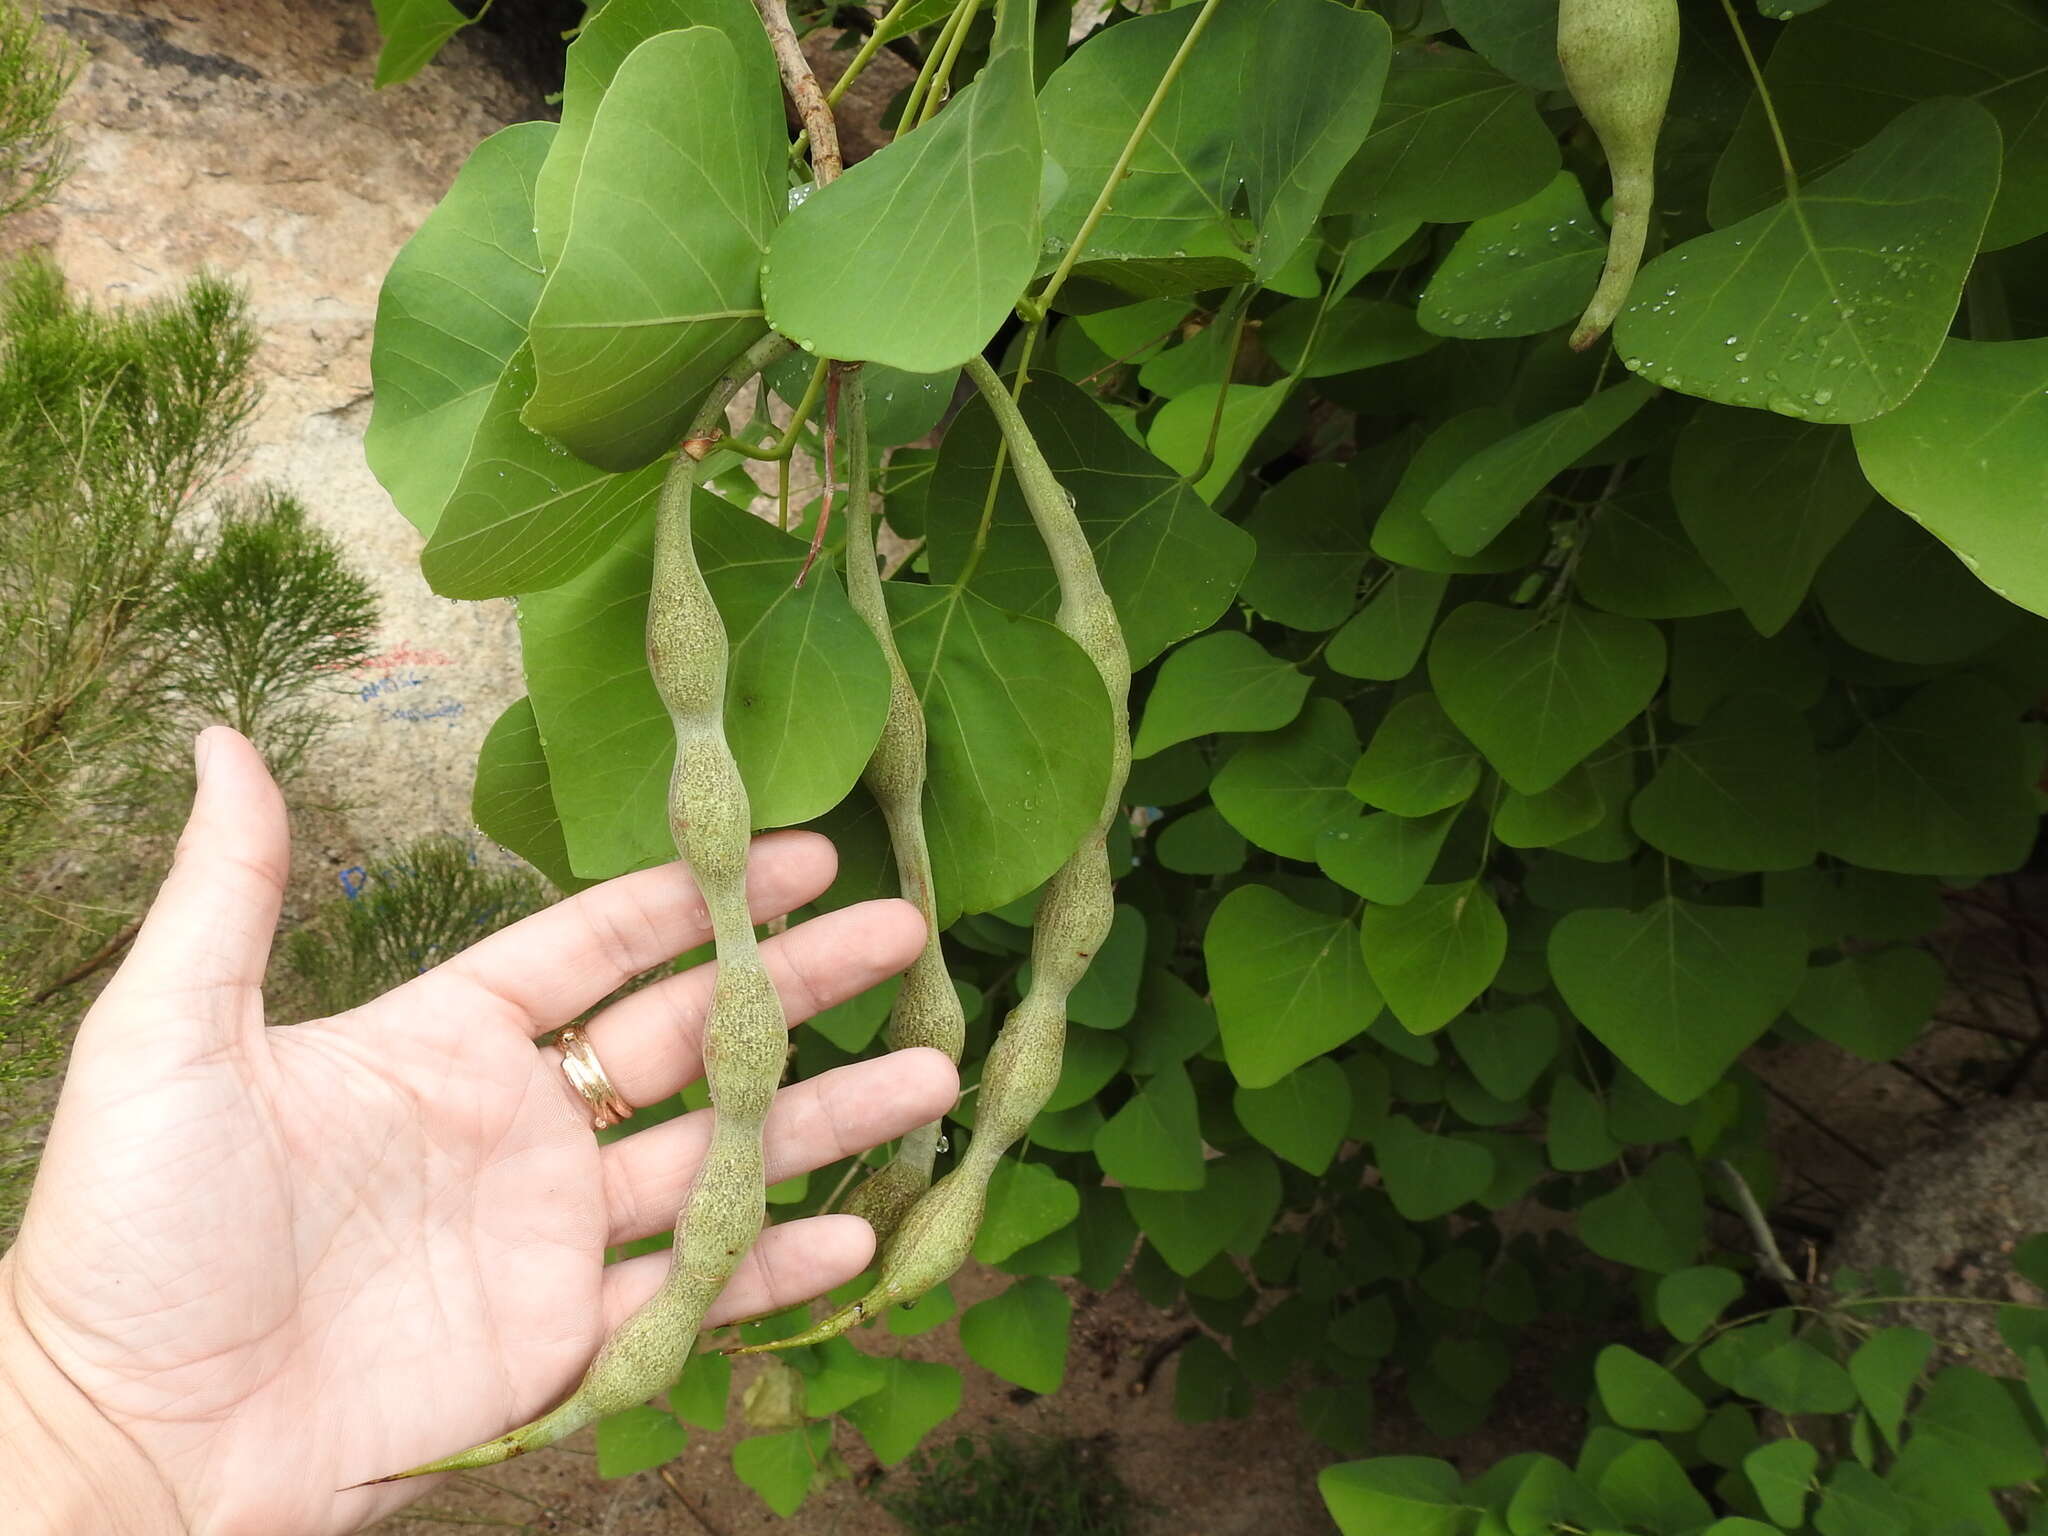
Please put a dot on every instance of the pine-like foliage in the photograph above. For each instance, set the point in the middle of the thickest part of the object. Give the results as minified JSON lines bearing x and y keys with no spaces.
{"x":410,"y":910}
{"x":35,"y":72}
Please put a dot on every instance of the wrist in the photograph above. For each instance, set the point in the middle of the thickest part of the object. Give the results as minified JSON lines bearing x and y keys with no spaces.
{"x":64,"y":1468}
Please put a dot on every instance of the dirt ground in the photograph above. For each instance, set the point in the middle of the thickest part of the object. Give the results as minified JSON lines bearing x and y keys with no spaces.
{"x":242,"y":135}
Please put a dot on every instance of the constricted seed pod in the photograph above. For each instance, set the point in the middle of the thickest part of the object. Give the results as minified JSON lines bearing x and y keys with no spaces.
{"x":1618,"y":58}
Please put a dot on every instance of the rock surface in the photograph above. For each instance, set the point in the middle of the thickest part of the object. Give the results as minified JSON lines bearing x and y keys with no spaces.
{"x":1948,"y":1219}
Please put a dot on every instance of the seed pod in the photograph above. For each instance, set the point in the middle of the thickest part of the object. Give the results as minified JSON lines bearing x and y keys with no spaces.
{"x":745,"y":1035}
{"x":927,"y":1009}
{"x":1618,"y":58}
{"x":1074,"y":918}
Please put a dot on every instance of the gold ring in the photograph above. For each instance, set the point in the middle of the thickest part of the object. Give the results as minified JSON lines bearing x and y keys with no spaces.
{"x":580,"y":1065}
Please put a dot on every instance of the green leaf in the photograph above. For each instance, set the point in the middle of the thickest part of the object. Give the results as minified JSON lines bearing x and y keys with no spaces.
{"x":1208,"y":1384}
{"x":1201,"y":842}
{"x":1886,"y":1370}
{"x":636,"y":1439}
{"x":1517,"y":37}
{"x":1241,"y":1194}
{"x":1539,"y":692}
{"x":1937,"y":787}
{"x":1830,"y":305}
{"x":1552,"y":1497}
{"x":1405,"y":537}
{"x":700,"y":1397}
{"x":1569,"y":808}
{"x":657,"y":286}
{"x":1220,"y":143}
{"x":1288,"y":983}
{"x":1349,"y":335}
{"x":1655,"y":1220}
{"x":606,"y":39}
{"x":1507,"y":1048}
{"x":1222,"y":681}
{"x":1281,"y":790}
{"x":844,"y":1376}
{"x":1454,"y":140}
{"x":916,"y":1397}
{"x":1312,"y":547}
{"x":799,"y":654}
{"x":1874,"y":1005}
{"x":1764,"y":499}
{"x":926,"y":1313}
{"x":1964,"y":457}
{"x":1638,"y":1393}
{"x":1417,"y":763}
{"x":1303,"y":1117}
{"x":1893,"y":590}
{"x":1384,"y":857}
{"x":1490,"y":489}
{"x":505,"y":510}
{"x":1021,"y":1334}
{"x":1171,"y":1024}
{"x":1796,"y":1378}
{"x":1091,"y":1059}
{"x":1394,"y":1496}
{"x":1208,"y":444}
{"x":1677,"y":990}
{"x":1018,"y":753}
{"x":1155,"y":1140}
{"x":1384,"y":639}
{"x":1575,"y":1131}
{"x":1897,"y":52}
{"x":1431,"y":957}
{"x":512,"y":804}
{"x":1645,"y":1486}
{"x":1428,"y":1175}
{"x":413,"y":32}
{"x":1739,"y":792}
{"x":1689,"y":1300}
{"x":1168,"y":563}
{"x":1856,"y":1503}
{"x":942,"y":223}
{"x":780,"y":1467}
{"x":1782,"y":1473}
{"x":1026,"y":1202}
{"x":1975,"y":1425}
{"x":1523,"y":270}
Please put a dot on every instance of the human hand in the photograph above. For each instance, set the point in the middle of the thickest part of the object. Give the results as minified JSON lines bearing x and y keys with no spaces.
{"x":262,"y":1263}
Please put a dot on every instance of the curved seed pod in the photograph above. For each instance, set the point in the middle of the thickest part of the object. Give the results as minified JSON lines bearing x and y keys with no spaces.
{"x":927,"y":1009}
{"x":745,"y":1037}
{"x":1073,"y":920}
{"x":1618,"y":58}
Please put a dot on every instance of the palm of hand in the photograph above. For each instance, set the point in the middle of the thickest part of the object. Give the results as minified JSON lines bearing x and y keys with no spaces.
{"x":293,"y":1259}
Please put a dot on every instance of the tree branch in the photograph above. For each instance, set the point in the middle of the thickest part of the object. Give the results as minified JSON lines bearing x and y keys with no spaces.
{"x":803,"y":89}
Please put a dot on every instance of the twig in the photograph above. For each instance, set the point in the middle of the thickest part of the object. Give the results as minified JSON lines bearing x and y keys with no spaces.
{"x":703,"y":1522}
{"x":803,"y":89}
{"x":100,"y":959}
{"x":1927,"y":1083}
{"x":1158,"y":1355}
{"x":1820,"y":1125}
{"x":1767,"y":1253}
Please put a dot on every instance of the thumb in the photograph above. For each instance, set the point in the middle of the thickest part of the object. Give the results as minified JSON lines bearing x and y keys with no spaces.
{"x":207,"y":936}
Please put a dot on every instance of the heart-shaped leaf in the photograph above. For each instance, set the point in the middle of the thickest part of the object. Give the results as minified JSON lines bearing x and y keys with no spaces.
{"x":1289,"y":983}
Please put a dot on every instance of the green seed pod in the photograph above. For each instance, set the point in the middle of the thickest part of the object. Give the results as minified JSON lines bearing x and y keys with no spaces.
{"x":1074,"y":917}
{"x":745,"y":1035}
{"x":927,"y":1009}
{"x":1618,"y":58}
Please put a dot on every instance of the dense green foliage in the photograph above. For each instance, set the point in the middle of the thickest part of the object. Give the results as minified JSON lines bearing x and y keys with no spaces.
{"x":1523,"y":737}
{"x":1009,"y":1486}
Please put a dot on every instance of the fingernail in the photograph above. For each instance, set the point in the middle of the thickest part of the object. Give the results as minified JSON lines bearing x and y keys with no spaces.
{"x":202,"y":749}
